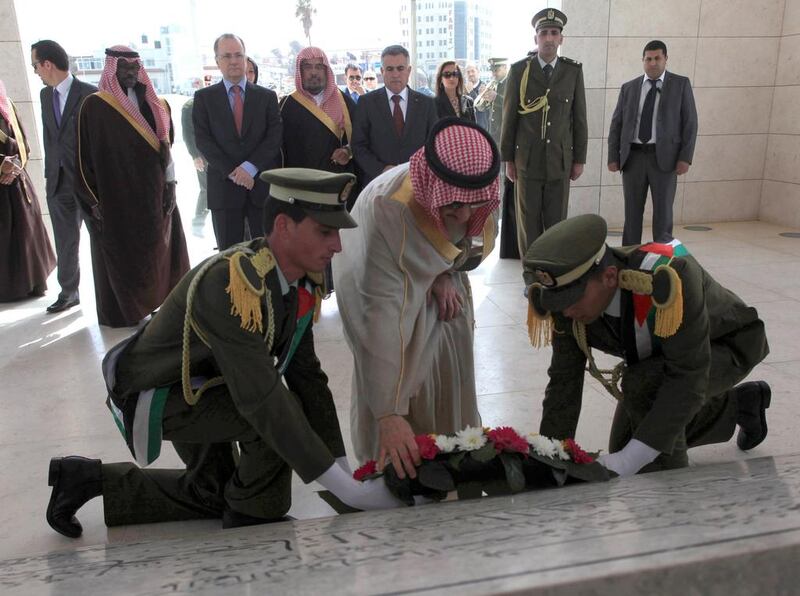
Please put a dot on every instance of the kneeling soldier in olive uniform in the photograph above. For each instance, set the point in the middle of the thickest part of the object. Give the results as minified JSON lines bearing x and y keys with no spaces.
{"x":208,"y":371}
{"x":684,"y":339}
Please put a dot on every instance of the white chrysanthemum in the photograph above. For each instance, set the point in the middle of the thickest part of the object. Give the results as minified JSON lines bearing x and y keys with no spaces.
{"x":446,"y":444}
{"x":561,"y":452}
{"x":470,"y":438}
{"x":542,"y":445}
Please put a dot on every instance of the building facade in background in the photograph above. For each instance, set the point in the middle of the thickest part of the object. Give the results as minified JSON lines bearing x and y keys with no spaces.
{"x":448,"y":29}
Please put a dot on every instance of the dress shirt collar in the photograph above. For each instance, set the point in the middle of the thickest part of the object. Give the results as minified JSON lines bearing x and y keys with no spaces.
{"x":403,"y":94}
{"x":542,"y":62}
{"x":614,"y":309}
{"x":242,"y":84}
{"x":285,"y":285}
{"x":645,"y":78}
{"x":63,"y":88}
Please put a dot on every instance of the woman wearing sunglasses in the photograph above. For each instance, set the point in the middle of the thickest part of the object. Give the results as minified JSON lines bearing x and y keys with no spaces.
{"x":450,"y":97}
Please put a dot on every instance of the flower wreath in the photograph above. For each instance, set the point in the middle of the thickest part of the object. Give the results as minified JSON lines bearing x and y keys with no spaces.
{"x":493,"y":461}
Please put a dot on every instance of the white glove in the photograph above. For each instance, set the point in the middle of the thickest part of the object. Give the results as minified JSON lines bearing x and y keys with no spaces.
{"x":344,"y":464}
{"x":630,"y":459}
{"x":368,"y":495}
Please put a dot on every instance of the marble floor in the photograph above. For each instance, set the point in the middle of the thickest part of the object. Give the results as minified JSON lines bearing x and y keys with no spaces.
{"x":53,"y":396}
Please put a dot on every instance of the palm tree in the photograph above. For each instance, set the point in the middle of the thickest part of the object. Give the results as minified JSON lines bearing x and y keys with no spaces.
{"x":304,"y":12}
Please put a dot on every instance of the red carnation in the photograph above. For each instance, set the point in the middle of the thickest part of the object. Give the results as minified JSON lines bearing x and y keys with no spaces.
{"x":368,"y":469}
{"x":427,"y":446}
{"x":579,"y":456}
{"x":506,"y":438}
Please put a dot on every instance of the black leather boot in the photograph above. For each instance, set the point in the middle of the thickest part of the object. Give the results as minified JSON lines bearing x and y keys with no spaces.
{"x":753,"y":400}
{"x":75,"y":480}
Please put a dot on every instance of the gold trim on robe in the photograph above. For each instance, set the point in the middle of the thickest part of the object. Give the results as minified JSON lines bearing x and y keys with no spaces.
{"x":320,"y":115}
{"x":147,"y":134}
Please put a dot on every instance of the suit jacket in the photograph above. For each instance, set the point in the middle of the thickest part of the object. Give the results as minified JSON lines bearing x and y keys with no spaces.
{"x":444,"y":108}
{"x":60,"y":142}
{"x":676,"y":122}
{"x":223,"y":148}
{"x":375,"y":142}
{"x":566,"y":130}
{"x":712,"y":314}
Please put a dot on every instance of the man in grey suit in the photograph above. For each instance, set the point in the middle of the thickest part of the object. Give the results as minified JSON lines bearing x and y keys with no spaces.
{"x":651,"y":140}
{"x":61,"y":99}
{"x":391,"y":123}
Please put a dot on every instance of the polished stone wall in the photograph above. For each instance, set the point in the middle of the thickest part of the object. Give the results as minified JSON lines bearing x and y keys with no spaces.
{"x":741,"y":56}
{"x":780,"y":195}
{"x":14,"y":59}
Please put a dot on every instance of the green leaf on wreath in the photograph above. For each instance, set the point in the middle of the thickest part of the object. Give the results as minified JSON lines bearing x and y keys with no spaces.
{"x":433,"y":474}
{"x":469,"y":490}
{"x":514,"y":475}
{"x":497,"y":487}
{"x":485,"y":453}
{"x":456,"y":459}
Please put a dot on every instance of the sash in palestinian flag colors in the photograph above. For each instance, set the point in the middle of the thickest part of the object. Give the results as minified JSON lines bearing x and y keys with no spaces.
{"x":644,"y":313}
{"x":305,"y":312}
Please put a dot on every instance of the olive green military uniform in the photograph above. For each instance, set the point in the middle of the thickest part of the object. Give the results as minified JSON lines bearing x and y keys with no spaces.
{"x":496,"y":112}
{"x":277,"y":427}
{"x":684,"y":340}
{"x":543,"y":155}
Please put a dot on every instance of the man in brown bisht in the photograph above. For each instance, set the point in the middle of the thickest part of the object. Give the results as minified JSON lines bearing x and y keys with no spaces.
{"x":126,"y":183}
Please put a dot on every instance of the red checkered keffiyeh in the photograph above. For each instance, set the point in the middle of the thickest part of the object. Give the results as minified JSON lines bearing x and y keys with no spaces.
{"x":110,"y":84}
{"x":331,"y":102}
{"x":463,"y":150}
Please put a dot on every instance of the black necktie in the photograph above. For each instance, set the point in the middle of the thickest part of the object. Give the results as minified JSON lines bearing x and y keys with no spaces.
{"x":548,"y":70}
{"x":397,"y":115}
{"x":646,"y":122}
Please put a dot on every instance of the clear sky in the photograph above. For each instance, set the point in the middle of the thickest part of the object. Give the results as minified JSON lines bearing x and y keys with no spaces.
{"x":87,"y":25}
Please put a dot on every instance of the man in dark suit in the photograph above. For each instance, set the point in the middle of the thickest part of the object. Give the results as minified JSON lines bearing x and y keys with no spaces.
{"x":651,"y":140}
{"x":60,"y":100}
{"x":393,"y":122}
{"x":237,"y":129}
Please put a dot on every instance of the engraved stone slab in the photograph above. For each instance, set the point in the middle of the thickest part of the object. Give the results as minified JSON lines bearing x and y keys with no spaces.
{"x":729,"y":529}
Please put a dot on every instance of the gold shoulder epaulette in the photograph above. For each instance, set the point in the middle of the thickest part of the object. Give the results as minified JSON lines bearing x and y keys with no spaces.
{"x":570,"y":61}
{"x":246,"y":286}
{"x":665,"y":289}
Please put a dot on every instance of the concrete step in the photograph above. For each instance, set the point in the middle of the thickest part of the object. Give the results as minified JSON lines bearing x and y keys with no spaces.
{"x":720,"y":529}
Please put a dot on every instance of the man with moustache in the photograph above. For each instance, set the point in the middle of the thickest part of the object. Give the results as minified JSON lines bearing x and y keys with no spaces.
{"x":545,"y":134}
{"x":392,"y":122}
{"x":651,"y":141}
{"x":126,"y":184}
{"x":237,"y":129}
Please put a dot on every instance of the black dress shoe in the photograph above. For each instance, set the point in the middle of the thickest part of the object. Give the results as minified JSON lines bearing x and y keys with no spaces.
{"x":753,"y":399}
{"x":62,"y":304}
{"x":234,"y":519}
{"x":75,"y":480}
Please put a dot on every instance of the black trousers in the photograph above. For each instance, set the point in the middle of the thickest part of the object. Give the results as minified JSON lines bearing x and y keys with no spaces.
{"x":641,"y":172}
{"x":229,"y":224}
{"x":715,"y":422}
{"x":66,"y":217}
{"x":204,"y":436}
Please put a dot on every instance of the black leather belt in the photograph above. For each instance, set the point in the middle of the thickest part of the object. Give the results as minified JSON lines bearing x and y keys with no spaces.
{"x":648,"y":148}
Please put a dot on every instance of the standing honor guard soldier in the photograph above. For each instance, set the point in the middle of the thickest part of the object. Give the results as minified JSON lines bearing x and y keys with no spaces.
{"x":545,"y":133}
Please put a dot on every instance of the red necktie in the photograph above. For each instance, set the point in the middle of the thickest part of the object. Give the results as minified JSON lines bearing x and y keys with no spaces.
{"x":397,"y":115}
{"x":238,"y":108}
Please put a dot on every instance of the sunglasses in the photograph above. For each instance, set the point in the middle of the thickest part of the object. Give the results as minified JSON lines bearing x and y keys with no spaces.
{"x":369,"y":78}
{"x":448,"y":74}
{"x":354,"y":77}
